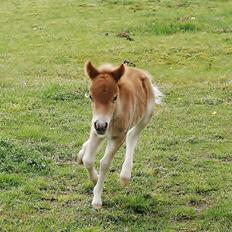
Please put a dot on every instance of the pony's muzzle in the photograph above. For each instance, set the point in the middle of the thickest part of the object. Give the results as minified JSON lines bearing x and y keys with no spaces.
{"x":100,"y":127}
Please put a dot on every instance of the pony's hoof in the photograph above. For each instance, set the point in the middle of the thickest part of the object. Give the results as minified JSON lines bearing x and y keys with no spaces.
{"x":124,"y":181}
{"x":97,"y":204}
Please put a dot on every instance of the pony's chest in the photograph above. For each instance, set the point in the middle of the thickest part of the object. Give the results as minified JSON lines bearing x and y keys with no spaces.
{"x":118,"y":126}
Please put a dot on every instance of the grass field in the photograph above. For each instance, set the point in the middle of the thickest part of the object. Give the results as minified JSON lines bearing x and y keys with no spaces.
{"x":182,"y":176}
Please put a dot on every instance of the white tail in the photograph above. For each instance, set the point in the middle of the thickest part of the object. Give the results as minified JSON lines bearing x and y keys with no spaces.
{"x":158,"y":95}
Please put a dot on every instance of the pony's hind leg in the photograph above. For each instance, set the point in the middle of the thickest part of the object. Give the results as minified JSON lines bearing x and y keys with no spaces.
{"x":131,"y":141}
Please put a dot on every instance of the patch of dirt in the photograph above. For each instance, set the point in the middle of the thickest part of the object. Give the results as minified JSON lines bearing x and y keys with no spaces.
{"x":125,"y":35}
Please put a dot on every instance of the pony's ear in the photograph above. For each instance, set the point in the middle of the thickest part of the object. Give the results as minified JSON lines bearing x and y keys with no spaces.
{"x":118,"y":73}
{"x":90,"y":70}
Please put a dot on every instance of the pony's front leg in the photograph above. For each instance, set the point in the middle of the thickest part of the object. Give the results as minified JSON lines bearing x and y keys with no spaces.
{"x":82,"y":152}
{"x":111,"y":148}
{"x":89,"y":156}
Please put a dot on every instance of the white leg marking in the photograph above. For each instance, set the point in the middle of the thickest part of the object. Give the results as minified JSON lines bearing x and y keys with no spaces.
{"x":90,"y":155}
{"x":112,"y":147}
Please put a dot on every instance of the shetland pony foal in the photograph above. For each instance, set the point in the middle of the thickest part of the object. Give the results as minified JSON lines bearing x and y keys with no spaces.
{"x":122,"y":104}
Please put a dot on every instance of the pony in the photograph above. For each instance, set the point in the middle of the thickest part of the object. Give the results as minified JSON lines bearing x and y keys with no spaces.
{"x":123,"y":100}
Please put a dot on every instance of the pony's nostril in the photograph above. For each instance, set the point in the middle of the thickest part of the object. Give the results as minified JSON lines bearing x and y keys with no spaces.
{"x":95,"y":125}
{"x":106,"y":124}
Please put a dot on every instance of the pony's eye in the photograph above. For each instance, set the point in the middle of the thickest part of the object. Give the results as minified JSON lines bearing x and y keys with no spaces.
{"x":91,"y":98}
{"x":115,"y":98}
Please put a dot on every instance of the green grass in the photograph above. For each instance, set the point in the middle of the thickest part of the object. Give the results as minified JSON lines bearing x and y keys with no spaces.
{"x":183,"y":165}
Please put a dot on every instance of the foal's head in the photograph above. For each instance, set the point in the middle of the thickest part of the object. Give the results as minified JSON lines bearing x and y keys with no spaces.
{"x":104,"y":93}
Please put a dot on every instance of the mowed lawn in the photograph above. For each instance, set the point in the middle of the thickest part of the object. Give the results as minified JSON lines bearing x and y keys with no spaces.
{"x":182,"y":175}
